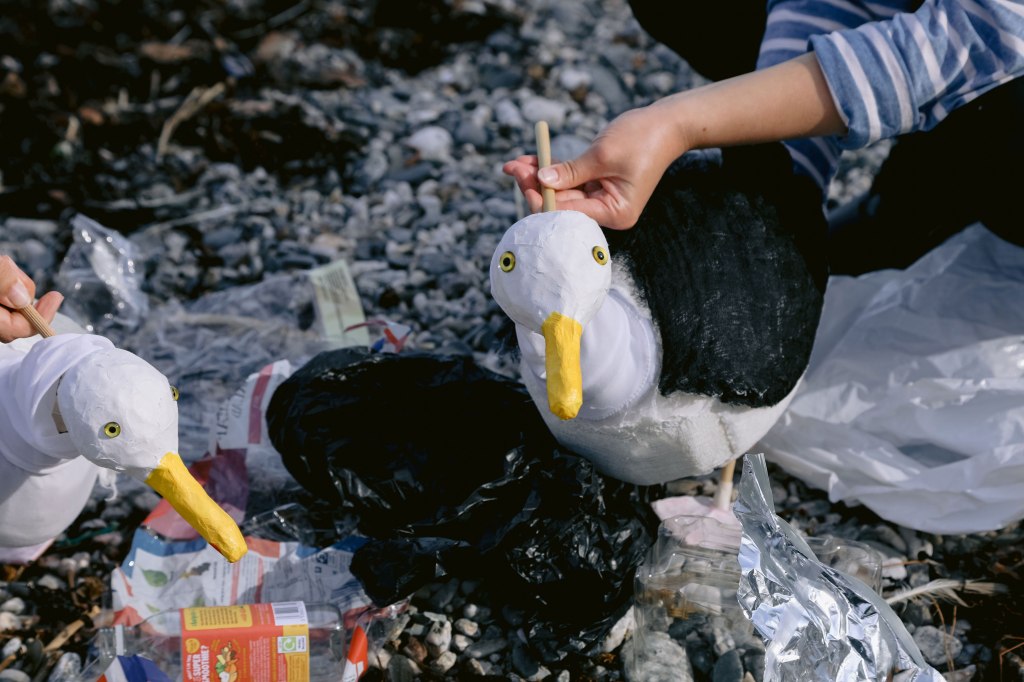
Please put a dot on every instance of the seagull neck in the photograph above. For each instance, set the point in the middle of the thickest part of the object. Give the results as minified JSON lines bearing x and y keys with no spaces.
{"x":618,"y":358}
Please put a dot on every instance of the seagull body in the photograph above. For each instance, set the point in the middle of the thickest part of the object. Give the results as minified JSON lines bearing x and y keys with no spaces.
{"x":688,"y":333}
{"x":72,"y":405}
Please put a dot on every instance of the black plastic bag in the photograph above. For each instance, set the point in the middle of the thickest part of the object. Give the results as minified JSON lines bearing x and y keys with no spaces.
{"x":451,"y":470}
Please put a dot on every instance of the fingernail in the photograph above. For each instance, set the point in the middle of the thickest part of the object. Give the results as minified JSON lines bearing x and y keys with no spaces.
{"x":18,"y":295}
{"x":547,"y":175}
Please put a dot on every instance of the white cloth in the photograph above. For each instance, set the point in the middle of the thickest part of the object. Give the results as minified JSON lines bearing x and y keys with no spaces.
{"x":29,"y":372}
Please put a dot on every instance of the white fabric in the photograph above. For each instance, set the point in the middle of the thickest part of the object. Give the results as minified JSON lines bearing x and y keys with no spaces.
{"x":913,"y":402}
{"x":29,"y":372}
{"x":44,"y":484}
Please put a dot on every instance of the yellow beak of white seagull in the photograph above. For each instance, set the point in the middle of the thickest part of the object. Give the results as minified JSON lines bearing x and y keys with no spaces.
{"x":121,"y":414}
{"x":550,"y":273}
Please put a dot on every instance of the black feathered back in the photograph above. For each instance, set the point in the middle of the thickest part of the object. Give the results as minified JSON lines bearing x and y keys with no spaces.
{"x":729,"y":256}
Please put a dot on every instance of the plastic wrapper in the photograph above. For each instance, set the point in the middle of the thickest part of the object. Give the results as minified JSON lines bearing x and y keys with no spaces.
{"x":818,"y":623}
{"x":208,"y":347}
{"x":99,"y":280}
{"x":451,"y":471}
{"x":913,"y":402}
{"x":685,"y":594}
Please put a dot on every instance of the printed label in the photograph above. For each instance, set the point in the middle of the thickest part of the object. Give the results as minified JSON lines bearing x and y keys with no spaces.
{"x":338,"y":306}
{"x":247,"y":643}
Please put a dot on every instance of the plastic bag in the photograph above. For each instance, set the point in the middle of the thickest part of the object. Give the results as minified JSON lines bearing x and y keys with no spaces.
{"x":451,"y":470}
{"x":208,"y":347}
{"x":913,"y":402}
{"x":100,"y":280}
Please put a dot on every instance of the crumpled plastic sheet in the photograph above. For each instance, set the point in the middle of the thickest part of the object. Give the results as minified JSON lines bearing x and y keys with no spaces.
{"x":818,"y":623}
{"x":913,"y":402}
{"x":208,"y":347}
{"x":100,"y":282}
{"x":452,"y":471}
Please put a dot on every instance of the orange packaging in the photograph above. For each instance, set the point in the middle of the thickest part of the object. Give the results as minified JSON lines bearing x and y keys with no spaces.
{"x":246,"y":643}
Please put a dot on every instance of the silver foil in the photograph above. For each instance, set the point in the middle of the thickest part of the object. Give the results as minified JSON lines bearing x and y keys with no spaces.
{"x":817,"y":623}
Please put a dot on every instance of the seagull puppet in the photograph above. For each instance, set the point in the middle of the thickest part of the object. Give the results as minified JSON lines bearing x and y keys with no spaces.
{"x":669,"y":349}
{"x":73,"y":403}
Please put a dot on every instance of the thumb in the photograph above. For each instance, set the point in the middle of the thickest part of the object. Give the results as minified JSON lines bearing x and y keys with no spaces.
{"x":570,"y":174}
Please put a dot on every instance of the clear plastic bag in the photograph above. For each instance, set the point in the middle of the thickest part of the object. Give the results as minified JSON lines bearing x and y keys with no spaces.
{"x":99,"y":280}
{"x":208,"y":347}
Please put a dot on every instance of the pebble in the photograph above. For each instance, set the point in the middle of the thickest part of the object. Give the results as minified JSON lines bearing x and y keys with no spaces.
{"x":11,"y":647}
{"x":432,"y":143}
{"x":439,"y":638}
{"x":402,"y":669}
{"x":728,"y":668}
{"x":9,"y":621}
{"x":415,"y":650}
{"x":467,"y":627}
{"x":936,"y":644}
{"x":485,"y":648}
{"x":444,"y":662}
{"x":13,"y":605}
{"x":461,"y":642}
{"x":15,"y":676}
{"x":52,"y":582}
{"x":67,"y":669}
{"x":660,"y":660}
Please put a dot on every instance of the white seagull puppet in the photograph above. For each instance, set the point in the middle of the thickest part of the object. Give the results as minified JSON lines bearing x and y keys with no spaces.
{"x":672,"y":351}
{"x":73,"y":403}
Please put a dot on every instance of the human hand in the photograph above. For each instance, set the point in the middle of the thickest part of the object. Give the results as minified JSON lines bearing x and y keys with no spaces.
{"x":613,"y":179}
{"x":17,"y":290}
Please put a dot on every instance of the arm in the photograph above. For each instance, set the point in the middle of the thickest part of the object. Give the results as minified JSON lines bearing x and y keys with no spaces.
{"x":614,"y":178}
{"x":907,"y":73}
{"x":17,"y":290}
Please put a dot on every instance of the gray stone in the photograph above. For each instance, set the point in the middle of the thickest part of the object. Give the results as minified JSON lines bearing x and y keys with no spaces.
{"x":67,"y":669}
{"x":512,"y":615}
{"x":444,"y":662}
{"x":12,"y":646}
{"x":728,"y":668}
{"x":486,"y":647}
{"x":608,"y":85}
{"x":15,"y":676}
{"x":436,"y":264}
{"x":432,"y":143}
{"x":439,"y":638}
{"x":15,"y":605}
{"x":461,"y":642}
{"x":935,"y":644}
{"x":536,"y":109}
{"x":402,"y":669}
{"x":467,"y":627}
{"x":523,"y":662}
{"x":656,"y":659}
{"x":50,"y":582}
{"x":8,"y":621}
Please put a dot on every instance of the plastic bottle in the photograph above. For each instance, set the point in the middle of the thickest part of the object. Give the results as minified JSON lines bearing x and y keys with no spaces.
{"x":232,"y":643}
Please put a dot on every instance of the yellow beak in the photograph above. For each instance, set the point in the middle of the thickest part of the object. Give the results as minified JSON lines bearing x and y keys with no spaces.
{"x":562,"y":362}
{"x":173,"y":481}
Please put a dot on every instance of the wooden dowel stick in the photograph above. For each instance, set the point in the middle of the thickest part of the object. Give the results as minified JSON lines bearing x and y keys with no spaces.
{"x":723,"y":496}
{"x":41,"y":326}
{"x":544,"y":159}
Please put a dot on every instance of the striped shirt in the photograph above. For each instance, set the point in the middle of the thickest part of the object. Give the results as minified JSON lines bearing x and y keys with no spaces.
{"x":894,"y":66}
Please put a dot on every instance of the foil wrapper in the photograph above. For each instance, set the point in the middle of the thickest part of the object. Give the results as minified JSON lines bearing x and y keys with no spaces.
{"x":817,"y":623}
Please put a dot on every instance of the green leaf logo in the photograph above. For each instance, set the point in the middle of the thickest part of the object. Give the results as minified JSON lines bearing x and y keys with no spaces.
{"x":155,"y":578}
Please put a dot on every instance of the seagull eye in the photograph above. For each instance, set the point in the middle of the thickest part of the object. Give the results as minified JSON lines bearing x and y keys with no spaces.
{"x":600,"y":255}
{"x":112,"y":430}
{"x":174,"y":393}
{"x":507,"y":261}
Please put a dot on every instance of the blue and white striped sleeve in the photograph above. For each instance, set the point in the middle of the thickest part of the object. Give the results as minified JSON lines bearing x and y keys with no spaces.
{"x":906,"y":73}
